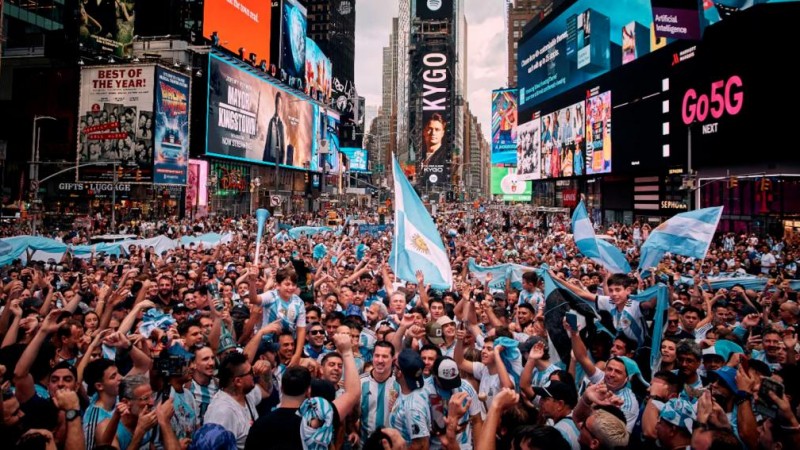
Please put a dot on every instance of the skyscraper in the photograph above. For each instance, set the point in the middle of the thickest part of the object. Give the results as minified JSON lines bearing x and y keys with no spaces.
{"x":332,"y":25}
{"x":519,"y":13}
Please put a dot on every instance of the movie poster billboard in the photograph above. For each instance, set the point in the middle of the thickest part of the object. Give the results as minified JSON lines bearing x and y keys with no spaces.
{"x":562,"y":141}
{"x":107,"y":26}
{"x":434,"y":9}
{"x":598,"y":133}
{"x":358,"y":158}
{"x":240,"y":24}
{"x":509,"y":186}
{"x":318,"y":69}
{"x":293,"y":39}
{"x":435,"y":149}
{"x":504,"y":127}
{"x":171,"y":127}
{"x":529,"y":150}
{"x":197,"y":188}
{"x":116,"y":123}
{"x":251,"y":119}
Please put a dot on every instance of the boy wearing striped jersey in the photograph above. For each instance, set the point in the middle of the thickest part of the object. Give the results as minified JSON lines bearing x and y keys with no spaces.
{"x":411,"y":414}
{"x":378,"y":390}
{"x":285,"y":305}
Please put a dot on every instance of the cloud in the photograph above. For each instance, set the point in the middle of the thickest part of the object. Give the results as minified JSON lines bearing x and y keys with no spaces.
{"x":373,"y":27}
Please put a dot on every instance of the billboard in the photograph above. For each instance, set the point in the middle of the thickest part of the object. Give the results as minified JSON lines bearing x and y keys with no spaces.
{"x":529,"y":150}
{"x":240,"y":24}
{"x":197,"y":186}
{"x":171,"y":127}
{"x":319,"y":71}
{"x":329,"y":161}
{"x":116,"y":122}
{"x":253,"y":120}
{"x":562,"y":141}
{"x":434,"y":9}
{"x":507,"y":184}
{"x":504,"y":126}
{"x":293,"y":39}
{"x":435,"y":146}
{"x":358,"y":158}
{"x":598,"y":133}
{"x":107,"y":26}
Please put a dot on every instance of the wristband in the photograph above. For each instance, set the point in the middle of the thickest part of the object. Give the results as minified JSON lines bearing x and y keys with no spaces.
{"x":745,"y":398}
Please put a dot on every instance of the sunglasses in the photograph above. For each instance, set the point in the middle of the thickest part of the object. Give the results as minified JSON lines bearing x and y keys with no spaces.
{"x":316,"y":332}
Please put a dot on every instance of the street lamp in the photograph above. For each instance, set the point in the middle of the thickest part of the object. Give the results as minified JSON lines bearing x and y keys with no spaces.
{"x":34,"y":169}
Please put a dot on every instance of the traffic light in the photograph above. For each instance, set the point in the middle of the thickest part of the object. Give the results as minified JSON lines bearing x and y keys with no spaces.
{"x":766,"y":184}
{"x":733,"y":182}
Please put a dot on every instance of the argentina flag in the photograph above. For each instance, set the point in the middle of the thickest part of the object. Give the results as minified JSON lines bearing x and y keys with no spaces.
{"x":416,"y":244}
{"x":598,"y":250}
{"x":686,"y":234}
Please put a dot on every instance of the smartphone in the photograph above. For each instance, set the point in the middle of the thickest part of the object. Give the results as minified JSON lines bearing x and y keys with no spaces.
{"x":572,"y":320}
{"x":764,"y":404}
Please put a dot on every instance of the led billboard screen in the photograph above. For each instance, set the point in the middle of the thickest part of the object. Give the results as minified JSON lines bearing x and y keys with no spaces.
{"x":251,"y":119}
{"x":434,"y":9}
{"x":358,"y":158}
{"x":507,"y":184}
{"x":318,"y":69}
{"x":562,"y":142}
{"x":436,"y":144}
{"x":529,"y":150}
{"x":240,"y":24}
{"x":106,"y":26}
{"x":504,"y":127}
{"x":116,"y":123}
{"x":172,"y":127}
{"x":293,"y":39}
{"x":598,"y":134}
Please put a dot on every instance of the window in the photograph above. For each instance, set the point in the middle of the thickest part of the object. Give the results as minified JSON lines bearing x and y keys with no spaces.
{"x":516,"y":23}
{"x":516,"y":34}
{"x":515,"y":45}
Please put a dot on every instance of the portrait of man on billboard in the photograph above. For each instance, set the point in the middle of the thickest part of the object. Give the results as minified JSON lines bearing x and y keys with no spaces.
{"x":433,"y":136}
{"x":275,"y":147}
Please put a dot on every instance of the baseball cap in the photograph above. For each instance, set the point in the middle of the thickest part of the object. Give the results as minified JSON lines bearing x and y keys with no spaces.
{"x":445,"y":320}
{"x":727,"y":375}
{"x":433,"y":331}
{"x":212,"y":436}
{"x":353,"y":310}
{"x":500,"y":296}
{"x":180,"y":307}
{"x":678,"y":412}
{"x":411,"y":365}
{"x":558,"y":391}
{"x":446,"y":372}
{"x":723,"y":349}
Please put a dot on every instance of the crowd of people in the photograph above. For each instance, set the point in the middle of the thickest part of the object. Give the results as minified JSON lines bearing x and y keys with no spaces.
{"x":320,"y":346}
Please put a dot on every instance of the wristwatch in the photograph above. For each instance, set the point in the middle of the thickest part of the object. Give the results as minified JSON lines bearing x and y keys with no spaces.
{"x":72,"y":414}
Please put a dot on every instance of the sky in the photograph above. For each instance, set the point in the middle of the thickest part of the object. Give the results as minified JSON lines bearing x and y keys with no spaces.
{"x":486,"y":51}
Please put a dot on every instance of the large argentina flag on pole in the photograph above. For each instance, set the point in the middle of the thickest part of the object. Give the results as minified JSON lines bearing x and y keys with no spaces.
{"x":416,"y":244}
{"x":687,"y":234}
{"x":598,"y":250}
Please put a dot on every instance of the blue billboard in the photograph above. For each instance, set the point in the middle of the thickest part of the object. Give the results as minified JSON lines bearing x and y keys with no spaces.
{"x":358,"y":158}
{"x":171,"y":160}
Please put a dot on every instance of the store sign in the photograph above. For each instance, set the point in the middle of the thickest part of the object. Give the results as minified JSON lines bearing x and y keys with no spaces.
{"x":95,"y":187}
{"x":669,"y":204}
{"x":570,"y":197}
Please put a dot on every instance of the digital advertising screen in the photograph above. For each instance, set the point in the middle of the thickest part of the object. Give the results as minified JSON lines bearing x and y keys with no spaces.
{"x":328,"y":127}
{"x":251,"y":119}
{"x":679,"y":19}
{"x":504,"y":127}
{"x":435,"y":149}
{"x":529,"y":150}
{"x":434,"y":9}
{"x":197,"y":185}
{"x":116,"y":122}
{"x":107,"y":26}
{"x":293,"y":39}
{"x":243,"y":23}
{"x":172,"y":127}
{"x":598,"y":134}
{"x":319,"y":71}
{"x":562,"y":142}
{"x":509,"y":186}
{"x":358,"y":158}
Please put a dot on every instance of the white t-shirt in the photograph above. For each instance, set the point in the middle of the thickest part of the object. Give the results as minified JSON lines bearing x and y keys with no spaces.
{"x":226,"y":411}
{"x":489,"y":384}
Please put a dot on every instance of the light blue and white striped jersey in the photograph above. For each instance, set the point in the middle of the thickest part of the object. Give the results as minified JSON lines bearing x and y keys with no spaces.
{"x":542,"y":377}
{"x":377,"y":400}
{"x":203,"y":395}
{"x":411,"y":415}
{"x":569,"y":430}
{"x":630,"y":406}
{"x":292,"y":313}
{"x":439,"y":400}
{"x":629,"y":321}
{"x":91,"y":418}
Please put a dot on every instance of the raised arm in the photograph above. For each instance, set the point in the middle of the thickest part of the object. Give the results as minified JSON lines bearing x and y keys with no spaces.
{"x":23,"y":381}
{"x":352,"y":385}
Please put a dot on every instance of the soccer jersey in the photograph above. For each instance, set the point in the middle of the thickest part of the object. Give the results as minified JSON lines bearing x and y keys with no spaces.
{"x":569,"y":430}
{"x":91,"y":418}
{"x":629,"y":321}
{"x":377,"y":400}
{"x":542,"y":377}
{"x":292,"y":313}
{"x":411,"y":415}
{"x":203,"y":395}
{"x":438,"y":400}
